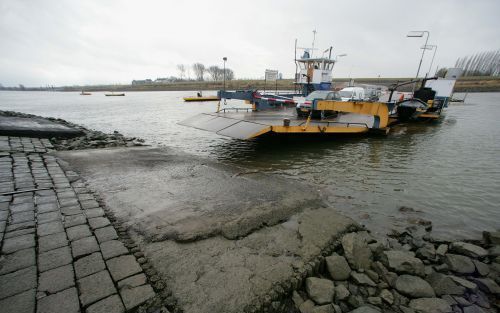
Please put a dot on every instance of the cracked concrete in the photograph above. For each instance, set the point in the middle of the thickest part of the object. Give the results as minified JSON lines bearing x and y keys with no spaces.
{"x":223,"y":242}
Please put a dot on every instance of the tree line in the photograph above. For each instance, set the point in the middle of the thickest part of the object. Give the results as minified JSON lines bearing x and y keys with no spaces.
{"x":480,"y":64}
{"x":202,"y":72}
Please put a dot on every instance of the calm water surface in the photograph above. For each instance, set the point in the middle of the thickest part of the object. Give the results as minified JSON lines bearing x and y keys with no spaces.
{"x":449,"y":171}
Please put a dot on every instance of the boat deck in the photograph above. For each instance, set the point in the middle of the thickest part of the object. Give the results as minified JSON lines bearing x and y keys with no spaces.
{"x":246,"y":124}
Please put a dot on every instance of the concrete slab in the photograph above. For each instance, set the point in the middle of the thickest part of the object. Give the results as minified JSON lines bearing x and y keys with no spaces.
{"x":224,"y":240}
{"x":35,"y":127}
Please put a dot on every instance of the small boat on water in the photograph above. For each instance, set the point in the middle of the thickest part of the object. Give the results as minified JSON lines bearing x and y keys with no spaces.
{"x":113,"y":94}
{"x":199,"y":98}
{"x":83,"y":93}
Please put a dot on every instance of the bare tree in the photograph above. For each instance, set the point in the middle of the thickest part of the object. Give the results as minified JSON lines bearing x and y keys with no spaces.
{"x":182,"y":71}
{"x":229,"y":74}
{"x":481,"y":64}
{"x":215,"y":72}
{"x":199,"y":71}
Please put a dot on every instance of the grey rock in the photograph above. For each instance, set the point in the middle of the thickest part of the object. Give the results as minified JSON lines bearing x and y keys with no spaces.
{"x":65,"y":301}
{"x":20,"y":303}
{"x":414,"y":287}
{"x":84,"y":246}
{"x":481,"y":268}
{"x":442,"y":250}
{"x":494,"y":251}
{"x":112,"y":248}
{"x":321,"y":291}
{"x":17,"y":260}
{"x":328,"y":308}
{"x":356,"y":251}
{"x":444,"y":285}
{"x":54,"y":258}
{"x":124,"y":266}
{"x":473,"y":309}
{"x":464,"y":283}
{"x":375,"y":300}
{"x":362,"y":279}
{"x":56,"y":279}
{"x":341,"y":292}
{"x":487,"y":285}
{"x":468,"y":249}
{"x":387,"y":296}
{"x":427,"y":251}
{"x":111,"y":304}
{"x":132,"y":297}
{"x":459,"y":263}
{"x":492,"y":237}
{"x":461,"y":301}
{"x":296,"y":298}
{"x":95,"y":287}
{"x":449,"y":299}
{"x":403,"y":262}
{"x":89,"y":265}
{"x":430,"y":305}
{"x":51,"y":242}
{"x":338,"y":267}
{"x":306,"y":307}
{"x":365,"y":309}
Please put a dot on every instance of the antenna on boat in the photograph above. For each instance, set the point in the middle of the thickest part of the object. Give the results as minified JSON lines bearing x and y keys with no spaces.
{"x":314,"y":39}
{"x":296,"y":66}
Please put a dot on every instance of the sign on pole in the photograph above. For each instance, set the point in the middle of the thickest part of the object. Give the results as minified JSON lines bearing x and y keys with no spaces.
{"x":271,"y":75}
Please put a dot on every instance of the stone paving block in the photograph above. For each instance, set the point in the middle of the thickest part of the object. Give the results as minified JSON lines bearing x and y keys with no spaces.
{"x":132,"y":297}
{"x":48,"y":217}
{"x":17,"y":282}
{"x":95,"y":287}
{"x":78,"y":232}
{"x":134,"y":281}
{"x":54,"y":258}
{"x":50,"y":228}
{"x":18,"y":243}
{"x":19,"y":226}
{"x":4,"y":215}
{"x":123,"y":266}
{"x":105,"y":234}
{"x":47,"y":207}
{"x":112,"y":248}
{"x":66,"y":194}
{"x":51,"y":242}
{"x":65,"y":301}
{"x":84,"y":246}
{"x":71,"y":210}
{"x":56,"y":279}
{"x":2,"y":226}
{"x":89,"y":265}
{"x":112,"y":304}
{"x":89,"y":204}
{"x":85,"y":196}
{"x":21,"y":303}
{"x":46,"y":199}
{"x":23,"y":198}
{"x":68,"y":202}
{"x":98,"y":222}
{"x":22,"y":217}
{"x":73,"y":220}
{"x":20,"y":232}
{"x":96,"y":212}
{"x":17,"y":260}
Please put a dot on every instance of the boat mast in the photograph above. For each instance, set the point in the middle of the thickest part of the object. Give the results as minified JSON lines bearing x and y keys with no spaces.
{"x":314,"y":39}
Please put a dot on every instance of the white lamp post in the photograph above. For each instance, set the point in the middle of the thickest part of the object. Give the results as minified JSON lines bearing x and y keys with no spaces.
{"x":430,"y":47}
{"x":419,"y":34}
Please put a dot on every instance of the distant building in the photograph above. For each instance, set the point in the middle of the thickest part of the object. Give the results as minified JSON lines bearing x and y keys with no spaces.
{"x":165,"y":80}
{"x":142,"y":82}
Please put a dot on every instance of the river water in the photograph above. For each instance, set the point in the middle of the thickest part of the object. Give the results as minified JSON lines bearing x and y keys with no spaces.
{"x":448,"y":172}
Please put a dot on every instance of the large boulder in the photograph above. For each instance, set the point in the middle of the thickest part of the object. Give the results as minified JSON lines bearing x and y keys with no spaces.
{"x":444,"y":285}
{"x":321,"y":291}
{"x":414,"y":287}
{"x":357,"y":251}
{"x":468,"y":249}
{"x":403,"y":262}
{"x":430,"y":305}
{"x":362,"y":279}
{"x":473,"y":309}
{"x":328,"y":308}
{"x":459,"y":263}
{"x":488,"y":285}
{"x":492,"y":237}
{"x":338,"y":267}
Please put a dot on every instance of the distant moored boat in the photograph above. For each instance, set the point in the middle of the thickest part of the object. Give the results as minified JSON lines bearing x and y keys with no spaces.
{"x":113,"y":94}
{"x":83,"y":93}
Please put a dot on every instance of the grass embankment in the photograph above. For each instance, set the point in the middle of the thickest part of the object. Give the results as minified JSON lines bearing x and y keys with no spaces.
{"x":465,"y":84}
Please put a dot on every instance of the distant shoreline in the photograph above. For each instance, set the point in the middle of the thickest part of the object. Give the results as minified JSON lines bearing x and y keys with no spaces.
{"x":465,"y":84}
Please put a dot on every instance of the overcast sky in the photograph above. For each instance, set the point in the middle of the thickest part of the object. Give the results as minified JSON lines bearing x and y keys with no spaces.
{"x":66,"y":42}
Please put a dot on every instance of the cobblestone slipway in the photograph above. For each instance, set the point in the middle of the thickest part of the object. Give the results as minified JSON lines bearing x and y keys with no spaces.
{"x":59,"y":250}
